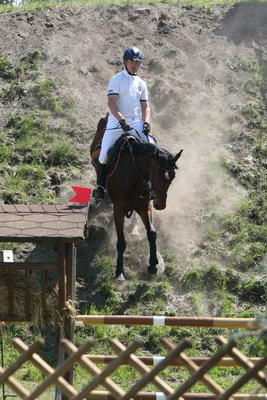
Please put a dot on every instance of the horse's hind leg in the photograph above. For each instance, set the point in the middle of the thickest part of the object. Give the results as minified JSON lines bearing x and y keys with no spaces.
{"x":121,"y":244}
{"x":146,"y":216}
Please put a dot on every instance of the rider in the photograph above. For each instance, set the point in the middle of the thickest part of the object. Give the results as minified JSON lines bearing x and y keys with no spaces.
{"x":129,"y":109}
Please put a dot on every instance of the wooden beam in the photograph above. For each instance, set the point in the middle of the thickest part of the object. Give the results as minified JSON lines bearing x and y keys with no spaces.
{"x":69,"y":323}
{"x":28,"y":266}
{"x":61,"y":276}
{"x":167,"y":321}
{"x":13,"y":318}
{"x":153,"y":360}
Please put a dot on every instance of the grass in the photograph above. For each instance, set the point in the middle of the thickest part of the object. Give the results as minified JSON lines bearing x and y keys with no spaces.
{"x":33,"y":5}
{"x":14,"y":92}
{"x":62,"y":153}
{"x":6,"y":71}
{"x":28,"y":139}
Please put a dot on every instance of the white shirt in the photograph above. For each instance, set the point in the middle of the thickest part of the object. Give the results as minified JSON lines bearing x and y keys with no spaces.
{"x":131,"y":89}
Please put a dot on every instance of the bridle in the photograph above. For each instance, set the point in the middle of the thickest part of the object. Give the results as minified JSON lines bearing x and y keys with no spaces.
{"x":159,"y":195}
{"x":149,"y":181}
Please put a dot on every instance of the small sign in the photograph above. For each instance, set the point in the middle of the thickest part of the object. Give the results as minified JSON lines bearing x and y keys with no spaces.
{"x":6,"y":255}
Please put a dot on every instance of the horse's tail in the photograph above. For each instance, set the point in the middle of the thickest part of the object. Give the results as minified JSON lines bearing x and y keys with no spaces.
{"x":101,"y":127}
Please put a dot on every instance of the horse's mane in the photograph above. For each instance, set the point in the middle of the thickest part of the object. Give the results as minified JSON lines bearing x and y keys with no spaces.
{"x":144,"y":149}
{"x":164,"y":158}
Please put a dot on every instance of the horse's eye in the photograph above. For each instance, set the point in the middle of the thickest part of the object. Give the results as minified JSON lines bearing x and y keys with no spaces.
{"x":167,"y":176}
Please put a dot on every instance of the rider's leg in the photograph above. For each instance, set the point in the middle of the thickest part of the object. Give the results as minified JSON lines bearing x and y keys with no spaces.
{"x":99,"y":191}
{"x":109,"y":138}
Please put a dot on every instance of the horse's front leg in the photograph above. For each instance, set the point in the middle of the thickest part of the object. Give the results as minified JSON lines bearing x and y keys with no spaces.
{"x":146,"y":216}
{"x":119,"y":216}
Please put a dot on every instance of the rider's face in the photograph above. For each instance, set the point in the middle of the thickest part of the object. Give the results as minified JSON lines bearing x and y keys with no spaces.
{"x":132,"y":66}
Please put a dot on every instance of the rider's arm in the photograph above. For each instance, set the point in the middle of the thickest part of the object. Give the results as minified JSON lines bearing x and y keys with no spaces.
{"x":145,"y":111}
{"x":112,"y":104}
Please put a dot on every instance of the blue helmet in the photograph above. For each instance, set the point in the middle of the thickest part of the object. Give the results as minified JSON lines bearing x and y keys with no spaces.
{"x":133,"y":53}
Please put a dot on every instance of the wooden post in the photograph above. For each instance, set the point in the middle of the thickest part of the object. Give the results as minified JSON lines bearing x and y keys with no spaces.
{"x":61,"y":266}
{"x":61,"y":277}
{"x":66,"y":284}
{"x":69,"y":322}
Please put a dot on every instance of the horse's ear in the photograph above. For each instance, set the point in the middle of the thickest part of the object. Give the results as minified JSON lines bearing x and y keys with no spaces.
{"x":178,"y":155}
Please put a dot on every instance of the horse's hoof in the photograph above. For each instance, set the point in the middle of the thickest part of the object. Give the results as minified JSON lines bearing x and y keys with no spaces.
{"x":120,"y":277}
{"x":152,"y":270}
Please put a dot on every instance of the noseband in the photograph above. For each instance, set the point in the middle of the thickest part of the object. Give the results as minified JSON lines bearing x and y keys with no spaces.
{"x":160,"y":195}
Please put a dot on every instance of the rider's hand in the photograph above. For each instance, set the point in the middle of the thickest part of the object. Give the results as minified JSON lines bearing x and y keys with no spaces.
{"x":146,"y":128}
{"x":124,"y":126}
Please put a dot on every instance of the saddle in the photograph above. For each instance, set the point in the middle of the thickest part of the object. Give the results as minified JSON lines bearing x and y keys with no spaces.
{"x":115,"y":151}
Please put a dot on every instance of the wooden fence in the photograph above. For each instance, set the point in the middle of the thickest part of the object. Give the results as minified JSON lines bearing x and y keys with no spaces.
{"x":175,"y":354}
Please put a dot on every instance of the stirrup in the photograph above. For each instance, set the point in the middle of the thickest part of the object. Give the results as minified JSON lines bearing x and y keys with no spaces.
{"x":99,"y":193}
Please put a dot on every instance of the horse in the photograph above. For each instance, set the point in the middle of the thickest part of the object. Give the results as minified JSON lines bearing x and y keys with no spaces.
{"x":143,"y":174}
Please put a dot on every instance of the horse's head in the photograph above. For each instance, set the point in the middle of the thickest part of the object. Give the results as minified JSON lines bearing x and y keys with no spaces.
{"x":162,"y":175}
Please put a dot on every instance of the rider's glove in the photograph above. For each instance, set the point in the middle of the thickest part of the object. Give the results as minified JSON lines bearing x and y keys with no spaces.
{"x":124,"y":126}
{"x":146,"y":128}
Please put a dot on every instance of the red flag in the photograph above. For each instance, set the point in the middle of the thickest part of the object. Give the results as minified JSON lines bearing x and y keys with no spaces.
{"x":82,"y":196}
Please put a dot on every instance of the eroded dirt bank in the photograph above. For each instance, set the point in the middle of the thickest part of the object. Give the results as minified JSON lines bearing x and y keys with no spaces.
{"x":197,"y":65}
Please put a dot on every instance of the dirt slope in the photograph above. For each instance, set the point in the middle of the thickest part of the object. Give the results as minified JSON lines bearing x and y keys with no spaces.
{"x":190,"y":56}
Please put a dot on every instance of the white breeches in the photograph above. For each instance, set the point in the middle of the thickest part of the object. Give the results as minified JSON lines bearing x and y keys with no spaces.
{"x":112,"y":135}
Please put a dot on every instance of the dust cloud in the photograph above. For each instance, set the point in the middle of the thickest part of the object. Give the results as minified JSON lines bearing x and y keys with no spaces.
{"x":201,"y":187}
{"x":205,"y":116}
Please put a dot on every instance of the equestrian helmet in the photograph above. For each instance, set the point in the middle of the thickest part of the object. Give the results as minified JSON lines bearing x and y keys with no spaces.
{"x":133,"y":53}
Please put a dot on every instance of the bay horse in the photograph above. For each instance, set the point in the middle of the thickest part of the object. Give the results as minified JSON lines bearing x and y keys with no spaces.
{"x":143,"y":173}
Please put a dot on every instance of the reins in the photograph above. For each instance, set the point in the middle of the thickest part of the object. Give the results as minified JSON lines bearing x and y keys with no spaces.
{"x":144,"y":181}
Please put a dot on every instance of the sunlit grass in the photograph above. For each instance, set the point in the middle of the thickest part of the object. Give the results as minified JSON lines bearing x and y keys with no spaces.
{"x":33,"y":5}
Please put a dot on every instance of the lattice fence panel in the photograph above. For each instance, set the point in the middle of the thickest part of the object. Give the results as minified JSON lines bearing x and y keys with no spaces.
{"x":149,"y":375}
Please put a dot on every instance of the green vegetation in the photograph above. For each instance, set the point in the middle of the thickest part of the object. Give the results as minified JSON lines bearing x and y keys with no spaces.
{"x":29,"y":140}
{"x":33,"y":5}
{"x":6,"y":71}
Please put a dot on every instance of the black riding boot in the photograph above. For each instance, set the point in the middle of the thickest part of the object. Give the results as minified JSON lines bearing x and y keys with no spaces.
{"x":99,"y":191}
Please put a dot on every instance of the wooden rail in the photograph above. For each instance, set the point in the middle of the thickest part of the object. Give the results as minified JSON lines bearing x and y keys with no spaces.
{"x":167,"y":321}
{"x":154,"y":360}
{"x":28,"y":266}
{"x":103,"y":395}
